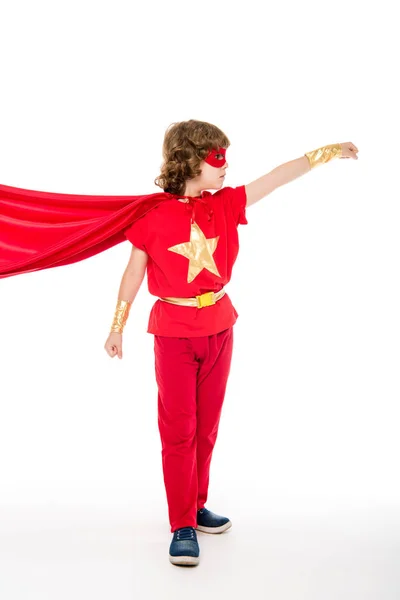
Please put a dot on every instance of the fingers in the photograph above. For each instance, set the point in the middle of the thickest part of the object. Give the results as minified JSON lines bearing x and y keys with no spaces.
{"x":354,"y":149}
{"x":113,"y":350}
{"x":349,"y":150}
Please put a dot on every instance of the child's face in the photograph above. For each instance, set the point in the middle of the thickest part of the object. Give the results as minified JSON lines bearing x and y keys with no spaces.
{"x":212,"y":177}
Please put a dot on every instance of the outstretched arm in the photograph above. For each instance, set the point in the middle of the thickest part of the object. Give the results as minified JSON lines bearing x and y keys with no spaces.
{"x":294,"y":168}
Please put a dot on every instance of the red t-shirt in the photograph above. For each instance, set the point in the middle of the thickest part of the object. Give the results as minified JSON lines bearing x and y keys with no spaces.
{"x":190,"y":257}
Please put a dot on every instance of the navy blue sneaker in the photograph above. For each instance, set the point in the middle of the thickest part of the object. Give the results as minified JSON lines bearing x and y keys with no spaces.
{"x":209,"y":522}
{"x":184,"y":548}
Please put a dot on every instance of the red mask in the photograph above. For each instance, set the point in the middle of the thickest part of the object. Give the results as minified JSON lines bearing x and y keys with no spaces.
{"x":216,"y":162}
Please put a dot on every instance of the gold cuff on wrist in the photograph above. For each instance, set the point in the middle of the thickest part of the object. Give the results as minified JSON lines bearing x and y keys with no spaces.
{"x":324,"y":154}
{"x":121,"y":315}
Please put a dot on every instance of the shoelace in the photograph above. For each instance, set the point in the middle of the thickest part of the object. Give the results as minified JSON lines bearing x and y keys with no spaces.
{"x":185,"y":533}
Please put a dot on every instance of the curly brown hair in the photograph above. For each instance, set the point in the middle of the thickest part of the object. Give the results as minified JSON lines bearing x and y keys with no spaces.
{"x":185,"y":145}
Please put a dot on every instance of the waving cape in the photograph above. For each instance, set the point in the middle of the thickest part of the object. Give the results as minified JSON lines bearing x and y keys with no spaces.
{"x":39,"y":230}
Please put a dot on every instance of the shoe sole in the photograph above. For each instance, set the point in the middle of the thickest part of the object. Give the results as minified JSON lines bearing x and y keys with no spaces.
{"x":184,"y":560}
{"x":220,"y":529}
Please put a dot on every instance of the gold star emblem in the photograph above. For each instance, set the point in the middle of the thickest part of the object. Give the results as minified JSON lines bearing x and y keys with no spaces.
{"x":199,"y":250}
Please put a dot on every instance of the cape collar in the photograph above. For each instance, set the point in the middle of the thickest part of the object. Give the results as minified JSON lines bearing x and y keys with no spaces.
{"x":193,"y":201}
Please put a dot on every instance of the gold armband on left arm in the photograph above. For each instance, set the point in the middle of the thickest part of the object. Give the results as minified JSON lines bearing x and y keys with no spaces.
{"x":121,"y":315}
{"x":324,"y":154}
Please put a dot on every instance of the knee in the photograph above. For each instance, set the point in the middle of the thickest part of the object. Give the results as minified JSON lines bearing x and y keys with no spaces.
{"x":179,"y":432}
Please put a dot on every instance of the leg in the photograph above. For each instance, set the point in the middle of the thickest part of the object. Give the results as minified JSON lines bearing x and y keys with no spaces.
{"x":211,"y":385}
{"x":176,"y":374}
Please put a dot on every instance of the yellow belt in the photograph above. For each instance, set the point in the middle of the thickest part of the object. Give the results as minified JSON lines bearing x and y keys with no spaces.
{"x":206,"y":299}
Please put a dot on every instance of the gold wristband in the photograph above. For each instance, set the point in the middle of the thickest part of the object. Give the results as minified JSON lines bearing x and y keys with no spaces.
{"x":324,"y":154}
{"x":121,"y":315}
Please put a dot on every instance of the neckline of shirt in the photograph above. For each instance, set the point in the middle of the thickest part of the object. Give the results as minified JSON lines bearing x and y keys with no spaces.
{"x":185,"y":199}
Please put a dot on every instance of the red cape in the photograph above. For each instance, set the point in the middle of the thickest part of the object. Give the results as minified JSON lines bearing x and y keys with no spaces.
{"x":39,"y":230}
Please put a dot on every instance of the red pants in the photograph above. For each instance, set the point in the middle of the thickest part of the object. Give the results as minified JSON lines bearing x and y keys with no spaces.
{"x":191,"y":375}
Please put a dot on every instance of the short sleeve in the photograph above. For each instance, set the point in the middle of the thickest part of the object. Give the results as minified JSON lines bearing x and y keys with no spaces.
{"x":236,"y":200}
{"x":137,"y":233}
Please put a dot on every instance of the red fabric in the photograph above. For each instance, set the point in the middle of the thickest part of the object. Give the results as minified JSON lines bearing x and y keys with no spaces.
{"x":217,"y":214}
{"x":192,"y":376}
{"x":39,"y":230}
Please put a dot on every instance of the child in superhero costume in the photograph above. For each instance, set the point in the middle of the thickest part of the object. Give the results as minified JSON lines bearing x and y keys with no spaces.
{"x":187,"y":240}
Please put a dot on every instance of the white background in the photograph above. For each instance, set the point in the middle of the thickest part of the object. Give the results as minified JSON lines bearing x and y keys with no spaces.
{"x":306,"y":460}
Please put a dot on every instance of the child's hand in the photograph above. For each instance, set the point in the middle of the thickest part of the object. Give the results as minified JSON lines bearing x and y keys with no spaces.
{"x":349,"y":150}
{"x":113,"y":344}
